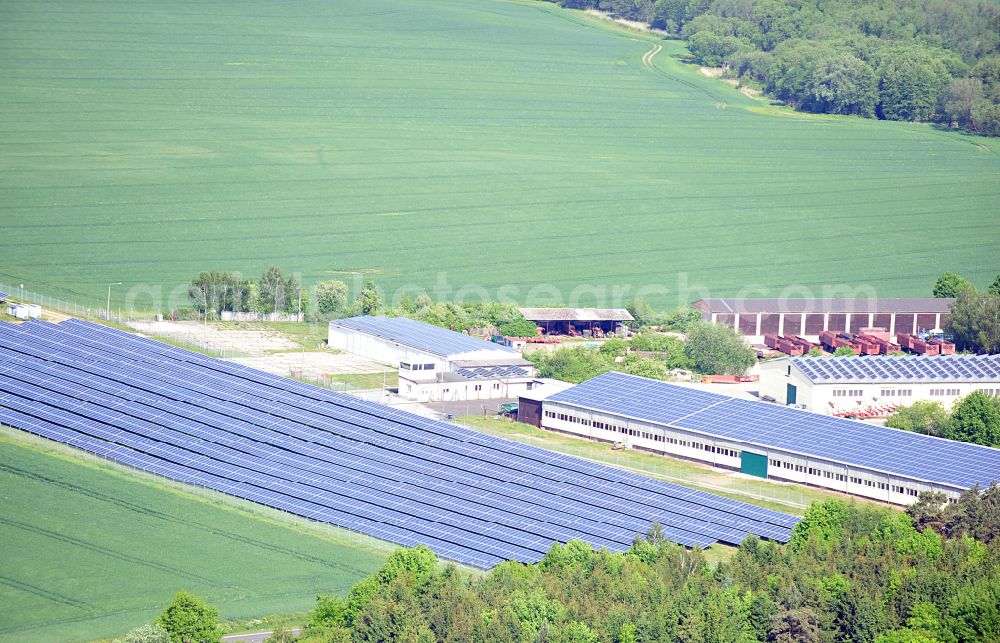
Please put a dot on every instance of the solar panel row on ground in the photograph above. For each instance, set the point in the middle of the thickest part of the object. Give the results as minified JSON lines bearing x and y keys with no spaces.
{"x":390,"y":474}
{"x":766,"y":425}
{"x":943,"y":368}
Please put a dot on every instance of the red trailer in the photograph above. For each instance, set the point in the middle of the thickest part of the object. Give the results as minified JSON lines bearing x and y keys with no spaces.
{"x":885,"y":346}
{"x":876,"y":331}
{"x":786,"y":345}
{"x":789,"y":347}
{"x":917,"y":345}
{"x":865,"y":346}
{"x":944,"y":347}
{"x":832,"y":341}
{"x":804,"y":343}
{"x":828,"y":339}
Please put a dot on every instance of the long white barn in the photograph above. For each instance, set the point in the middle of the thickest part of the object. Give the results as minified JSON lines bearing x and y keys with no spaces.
{"x":767,"y":440}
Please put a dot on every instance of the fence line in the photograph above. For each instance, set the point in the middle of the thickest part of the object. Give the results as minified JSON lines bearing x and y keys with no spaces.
{"x":47,"y":302}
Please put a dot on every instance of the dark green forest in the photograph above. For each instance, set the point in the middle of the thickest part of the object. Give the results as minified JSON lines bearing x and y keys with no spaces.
{"x":852,"y":572}
{"x":905,"y":60}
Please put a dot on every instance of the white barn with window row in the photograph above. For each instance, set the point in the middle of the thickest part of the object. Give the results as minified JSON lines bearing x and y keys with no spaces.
{"x":855,"y":385}
{"x":769,"y":441}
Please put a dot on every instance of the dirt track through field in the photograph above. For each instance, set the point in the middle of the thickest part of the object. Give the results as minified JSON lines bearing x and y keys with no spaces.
{"x":647,"y":59}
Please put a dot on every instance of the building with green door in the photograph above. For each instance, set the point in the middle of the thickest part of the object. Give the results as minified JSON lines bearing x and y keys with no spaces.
{"x":768,"y":440}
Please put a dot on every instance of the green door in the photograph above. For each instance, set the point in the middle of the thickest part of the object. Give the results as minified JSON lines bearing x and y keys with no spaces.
{"x":790,"y":394}
{"x":753,"y":464}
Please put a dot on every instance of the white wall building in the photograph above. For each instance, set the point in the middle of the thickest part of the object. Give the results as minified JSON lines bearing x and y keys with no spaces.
{"x":769,"y":441}
{"x":435,"y":363}
{"x":864,"y":386}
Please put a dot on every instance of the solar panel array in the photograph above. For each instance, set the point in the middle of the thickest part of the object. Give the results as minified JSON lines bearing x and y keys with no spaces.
{"x":770,"y":426}
{"x":472,"y":498}
{"x":416,"y":334}
{"x":492,"y":372}
{"x":886,"y":369}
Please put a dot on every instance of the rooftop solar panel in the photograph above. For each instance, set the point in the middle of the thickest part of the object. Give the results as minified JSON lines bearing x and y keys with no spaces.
{"x":473,"y":498}
{"x":900,"y":369}
{"x":417,"y":334}
{"x":766,"y":425}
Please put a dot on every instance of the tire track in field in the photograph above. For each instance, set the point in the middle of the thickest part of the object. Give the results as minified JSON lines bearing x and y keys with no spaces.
{"x":647,"y":61}
{"x":647,"y":58}
{"x":90,"y":616}
{"x":159,"y":515}
{"x":43,"y":593}
{"x":110,"y":553}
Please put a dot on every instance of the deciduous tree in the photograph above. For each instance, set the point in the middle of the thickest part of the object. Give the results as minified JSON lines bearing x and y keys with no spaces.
{"x":718,"y":349}
{"x":369,"y":301}
{"x":331,"y":297}
{"x":928,"y":418}
{"x":519,"y":328}
{"x":976,"y":419}
{"x":844,"y":84}
{"x":188,"y":619}
{"x":950,"y":284}
{"x":974,"y":322}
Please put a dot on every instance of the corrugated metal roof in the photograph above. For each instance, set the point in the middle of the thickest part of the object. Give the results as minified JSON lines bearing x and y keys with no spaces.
{"x":416,"y":334}
{"x":878,"y":369}
{"x":875,"y":305}
{"x":762,"y":425}
{"x":576,"y":314}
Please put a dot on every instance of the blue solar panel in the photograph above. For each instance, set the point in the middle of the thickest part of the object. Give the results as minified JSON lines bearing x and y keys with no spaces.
{"x":416,"y":334}
{"x":366,"y":408}
{"x":769,"y":426}
{"x":891,"y":369}
{"x":473,"y":498}
{"x":492,"y":372}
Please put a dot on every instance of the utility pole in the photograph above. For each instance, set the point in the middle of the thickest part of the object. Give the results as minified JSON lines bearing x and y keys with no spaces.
{"x":107,"y":310}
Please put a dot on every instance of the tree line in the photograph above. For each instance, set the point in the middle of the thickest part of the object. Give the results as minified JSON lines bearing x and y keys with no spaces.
{"x":213,"y":292}
{"x":975,"y":419}
{"x":908,"y":60}
{"x":851,"y":572}
{"x":216,"y":292}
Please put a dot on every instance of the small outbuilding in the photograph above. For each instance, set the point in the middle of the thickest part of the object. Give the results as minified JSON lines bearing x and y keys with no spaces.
{"x":529,"y":403}
{"x":24,"y":311}
{"x":585,"y":322}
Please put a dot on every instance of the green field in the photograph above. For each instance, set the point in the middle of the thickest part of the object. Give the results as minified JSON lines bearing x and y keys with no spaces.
{"x":500,"y":143}
{"x":90,"y":553}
